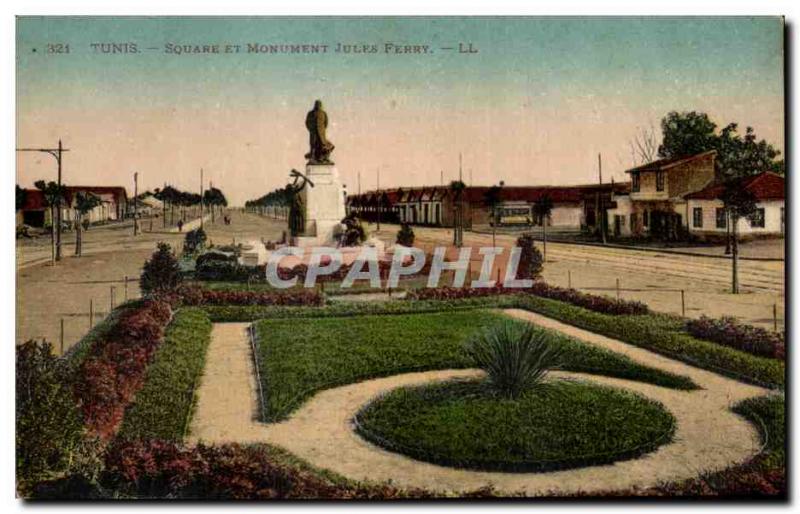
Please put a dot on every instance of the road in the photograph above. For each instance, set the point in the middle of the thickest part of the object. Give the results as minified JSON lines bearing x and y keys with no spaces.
{"x":46,"y":294}
{"x":655,"y":278}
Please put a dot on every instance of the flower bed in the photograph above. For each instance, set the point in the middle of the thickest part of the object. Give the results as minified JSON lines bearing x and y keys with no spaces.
{"x":592,"y":302}
{"x":195,"y":296}
{"x":160,"y":469}
{"x":115,"y":366}
{"x":729,"y":332}
{"x":163,"y":407}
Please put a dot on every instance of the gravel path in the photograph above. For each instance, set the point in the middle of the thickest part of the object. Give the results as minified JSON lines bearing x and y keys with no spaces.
{"x":709,"y":436}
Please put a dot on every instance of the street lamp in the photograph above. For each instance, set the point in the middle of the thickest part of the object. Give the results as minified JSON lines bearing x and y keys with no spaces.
{"x":55,"y":152}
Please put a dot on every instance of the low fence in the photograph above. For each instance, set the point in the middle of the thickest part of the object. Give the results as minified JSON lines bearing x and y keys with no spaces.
{"x":97,"y":309}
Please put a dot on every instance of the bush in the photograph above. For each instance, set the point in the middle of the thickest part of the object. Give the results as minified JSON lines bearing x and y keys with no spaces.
{"x":114,"y":369}
{"x":592,"y":302}
{"x":405,"y":236}
{"x":220,"y":270}
{"x":514,"y":356}
{"x":199,"y":296}
{"x":160,"y":469}
{"x":163,"y":407}
{"x":194,"y":241}
{"x":530,"y":260}
{"x":48,"y":423}
{"x":161,"y":274}
{"x":729,"y":332}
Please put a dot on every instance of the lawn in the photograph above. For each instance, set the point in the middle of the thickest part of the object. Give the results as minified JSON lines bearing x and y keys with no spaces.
{"x":659,"y":333}
{"x":163,"y":407}
{"x":297,"y":357}
{"x":556,"y":425}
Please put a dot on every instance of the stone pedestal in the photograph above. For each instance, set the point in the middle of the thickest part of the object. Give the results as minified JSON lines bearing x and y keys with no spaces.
{"x":324,"y":206}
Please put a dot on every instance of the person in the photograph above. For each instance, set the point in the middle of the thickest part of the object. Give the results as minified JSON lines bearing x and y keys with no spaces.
{"x":180,"y":225}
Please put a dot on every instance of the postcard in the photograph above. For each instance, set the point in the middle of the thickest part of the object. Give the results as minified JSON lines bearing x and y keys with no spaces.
{"x":400,"y":258}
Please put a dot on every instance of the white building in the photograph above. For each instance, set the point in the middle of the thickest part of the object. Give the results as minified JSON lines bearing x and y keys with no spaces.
{"x":708,"y":218}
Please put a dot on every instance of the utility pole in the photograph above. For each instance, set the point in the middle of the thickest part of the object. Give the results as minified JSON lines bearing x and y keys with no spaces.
{"x":359,"y":183}
{"x":211,"y":188}
{"x":601,"y":202}
{"x":441,"y":177}
{"x":135,"y":203}
{"x":201,"y":198}
{"x":57,"y":153}
{"x":380,"y":198}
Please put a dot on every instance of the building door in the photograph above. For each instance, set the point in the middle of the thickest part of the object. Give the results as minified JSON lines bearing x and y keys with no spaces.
{"x":617,"y":225}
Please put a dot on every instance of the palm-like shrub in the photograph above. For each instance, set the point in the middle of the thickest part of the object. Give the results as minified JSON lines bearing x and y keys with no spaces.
{"x":515,"y":357}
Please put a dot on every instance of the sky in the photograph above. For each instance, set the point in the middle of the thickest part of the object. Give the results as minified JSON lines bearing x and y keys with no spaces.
{"x":529,"y":100}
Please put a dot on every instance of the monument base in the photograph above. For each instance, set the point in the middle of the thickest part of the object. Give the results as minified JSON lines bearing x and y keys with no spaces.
{"x":324,"y":206}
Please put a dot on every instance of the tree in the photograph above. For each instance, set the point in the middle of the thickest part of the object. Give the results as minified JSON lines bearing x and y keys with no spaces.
{"x":644,"y":146}
{"x":542,"y":209}
{"x":530,"y":259}
{"x":491,"y":198}
{"x":686,"y":133}
{"x":457,"y":188}
{"x":739,"y":203}
{"x":84,"y":202}
{"x":739,"y":157}
{"x":53,"y":196}
{"x":160,"y":274}
{"x":691,"y":133}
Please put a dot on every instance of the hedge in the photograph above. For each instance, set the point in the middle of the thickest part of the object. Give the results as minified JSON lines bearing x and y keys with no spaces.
{"x":729,"y":332}
{"x":653,"y":333}
{"x":115,"y":365}
{"x":163,"y":407}
{"x":76,"y":353}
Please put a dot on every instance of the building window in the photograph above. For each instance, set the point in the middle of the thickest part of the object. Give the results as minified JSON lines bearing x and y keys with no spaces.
{"x":646,"y":219}
{"x":757,"y":221}
{"x":722,"y":218}
{"x":697,"y":217}
{"x":659,"y":180}
{"x":635,"y":182}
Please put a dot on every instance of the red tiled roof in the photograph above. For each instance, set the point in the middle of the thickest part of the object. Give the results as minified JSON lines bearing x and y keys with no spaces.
{"x":764,"y":186}
{"x":117,"y":191}
{"x":662,"y":164}
{"x":34,"y":200}
{"x":477,"y":194}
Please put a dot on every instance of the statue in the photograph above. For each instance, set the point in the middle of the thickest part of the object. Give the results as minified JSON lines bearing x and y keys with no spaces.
{"x":297,"y":219}
{"x":320,"y":147}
